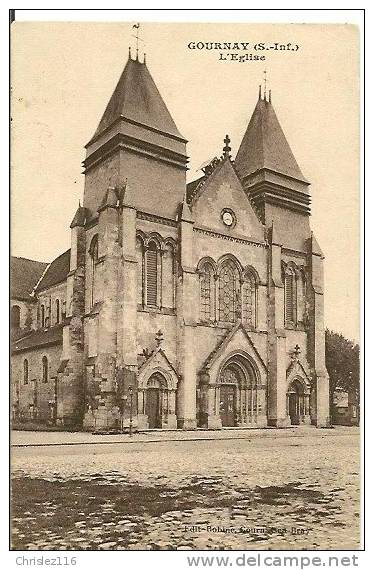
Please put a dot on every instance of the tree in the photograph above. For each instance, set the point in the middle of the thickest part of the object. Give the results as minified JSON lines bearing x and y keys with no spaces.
{"x":342,"y":363}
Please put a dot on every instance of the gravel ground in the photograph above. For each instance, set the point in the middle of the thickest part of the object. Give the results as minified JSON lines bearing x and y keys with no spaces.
{"x":292,"y":491}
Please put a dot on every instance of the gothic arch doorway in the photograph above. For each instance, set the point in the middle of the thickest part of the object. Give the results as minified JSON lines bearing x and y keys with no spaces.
{"x":154,"y":394}
{"x":238,"y":392}
{"x":297,"y":402}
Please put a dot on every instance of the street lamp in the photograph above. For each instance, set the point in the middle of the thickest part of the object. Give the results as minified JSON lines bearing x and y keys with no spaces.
{"x":131,"y":393}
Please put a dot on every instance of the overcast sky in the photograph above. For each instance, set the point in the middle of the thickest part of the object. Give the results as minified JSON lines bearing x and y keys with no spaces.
{"x":64,"y":74}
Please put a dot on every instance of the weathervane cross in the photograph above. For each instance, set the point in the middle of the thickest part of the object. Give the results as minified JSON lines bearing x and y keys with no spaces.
{"x":138,"y":38}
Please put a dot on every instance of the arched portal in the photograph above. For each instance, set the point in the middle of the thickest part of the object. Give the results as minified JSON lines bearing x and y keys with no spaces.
{"x":297,"y":402}
{"x":154,"y":399}
{"x":238,"y":392}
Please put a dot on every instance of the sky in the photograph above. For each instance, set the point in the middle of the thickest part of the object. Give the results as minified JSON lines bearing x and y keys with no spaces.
{"x":63,"y":75}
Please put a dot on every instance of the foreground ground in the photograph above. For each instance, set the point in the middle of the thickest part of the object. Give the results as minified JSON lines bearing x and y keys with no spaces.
{"x":266,"y":489}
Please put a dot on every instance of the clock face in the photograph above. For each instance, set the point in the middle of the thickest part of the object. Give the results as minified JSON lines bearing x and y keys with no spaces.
{"x":227,"y":218}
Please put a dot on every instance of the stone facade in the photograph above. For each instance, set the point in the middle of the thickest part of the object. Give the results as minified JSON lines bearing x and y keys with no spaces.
{"x":187,"y":306}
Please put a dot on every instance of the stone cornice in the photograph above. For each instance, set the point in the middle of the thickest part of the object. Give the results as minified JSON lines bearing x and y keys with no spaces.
{"x":141,"y":215}
{"x":294,"y":252}
{"x":125,"y":142}
{"x":229,"y":237}
{"x":136,"y":123}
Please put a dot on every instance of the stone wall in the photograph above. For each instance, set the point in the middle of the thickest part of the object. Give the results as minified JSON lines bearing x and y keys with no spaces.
{"x":33,"y":401}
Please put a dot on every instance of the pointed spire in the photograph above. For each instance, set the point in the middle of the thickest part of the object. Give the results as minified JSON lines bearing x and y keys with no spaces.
{"x":137,"y":98}
{"x":315,"y":247}
{"x":274,"y":237}
{"x":264,"y":146}
{"x":79,"y":217}
{"x":185,"y":214}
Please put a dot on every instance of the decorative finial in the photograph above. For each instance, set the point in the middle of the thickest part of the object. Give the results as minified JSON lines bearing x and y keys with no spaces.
{"x":159,"y":337}
{"x":226,"y":148}
{"x":269,"y":95}
{"x":79,"y":203}
{"x":144,"y":59}
{"x":296,"y":351}
{"x":259,"y":91}
{"x":130,"y":52}
{"x":138,"y":39}
{"x":265,"y":82}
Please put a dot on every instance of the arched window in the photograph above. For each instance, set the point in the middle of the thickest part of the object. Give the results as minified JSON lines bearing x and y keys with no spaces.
{"x":94,"y":256}
{"x":249,"y":300}
{"x":25,"y":371}
{"x":140,"y":271}
{"x":45,"y":369}
{"x":15,"y":317}
{"x":228,"y":292}
{"x":290,"y":297}
{"x":301,"y":296}
{"x":206,"y":275}
{"x":151,"y":275}
{"x":57,"y":311}
{"x":168,"y":277}
{"x":42,"y":316}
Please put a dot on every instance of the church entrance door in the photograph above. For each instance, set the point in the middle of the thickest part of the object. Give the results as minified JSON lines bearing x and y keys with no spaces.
{"x":227,"y":405}
{"x":153,"y":408}
{"x":295,"y":402}
{"x":294,"y":409}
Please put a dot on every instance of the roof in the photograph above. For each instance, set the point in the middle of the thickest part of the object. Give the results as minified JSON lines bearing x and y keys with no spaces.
{"x":56,"y":272}
{"x":191,"y":187}
{"x":137,"y":98}
{"x":24,"y":275}
{"x":264,"y":145}
{"x":38,"y":338}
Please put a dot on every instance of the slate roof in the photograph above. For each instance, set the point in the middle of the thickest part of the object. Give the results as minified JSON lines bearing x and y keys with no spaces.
{"x":56,"y":272}
{"x":38,"y":338}
{"x":191,"y":187}
{"x":24,"y":275}
{"x":264,"y":145}
{"x":137,"y":98}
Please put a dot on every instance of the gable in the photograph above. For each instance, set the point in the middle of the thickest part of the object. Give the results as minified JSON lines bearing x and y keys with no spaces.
{"x":158,"y":362}
{"x":223,"y":190}
{"x":236,"y":341}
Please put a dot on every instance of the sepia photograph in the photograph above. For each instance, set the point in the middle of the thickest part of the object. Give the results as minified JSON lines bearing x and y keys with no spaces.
{"x":185,"y":286}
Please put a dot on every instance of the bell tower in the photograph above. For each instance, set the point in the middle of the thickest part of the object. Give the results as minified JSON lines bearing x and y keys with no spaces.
{"x":271,"y":176}
{"x":138,"y":141}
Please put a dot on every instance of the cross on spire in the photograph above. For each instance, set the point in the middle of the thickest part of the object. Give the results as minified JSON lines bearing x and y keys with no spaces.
{"x":226,"y":148}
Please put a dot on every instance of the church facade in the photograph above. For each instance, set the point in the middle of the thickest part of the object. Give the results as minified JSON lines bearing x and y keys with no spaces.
{"x":178,"y":305}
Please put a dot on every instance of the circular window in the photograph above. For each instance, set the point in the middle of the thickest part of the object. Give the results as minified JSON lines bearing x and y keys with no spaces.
{"x":228,"y":218}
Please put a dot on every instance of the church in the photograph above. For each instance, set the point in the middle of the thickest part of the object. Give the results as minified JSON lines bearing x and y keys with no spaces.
{"x":177,"y":306}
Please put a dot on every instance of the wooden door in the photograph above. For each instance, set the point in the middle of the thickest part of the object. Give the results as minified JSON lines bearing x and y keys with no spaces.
{"x":153,"y":407}
{"x":227,"y":405}
{"x":294,"y":408}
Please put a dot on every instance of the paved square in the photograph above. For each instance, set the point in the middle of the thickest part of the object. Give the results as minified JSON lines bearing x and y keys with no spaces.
{"x":272,"y":489}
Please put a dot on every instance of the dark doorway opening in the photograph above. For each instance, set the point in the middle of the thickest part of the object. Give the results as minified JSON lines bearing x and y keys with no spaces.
{"x":153,"y":408}
{"x":227,"y":405}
